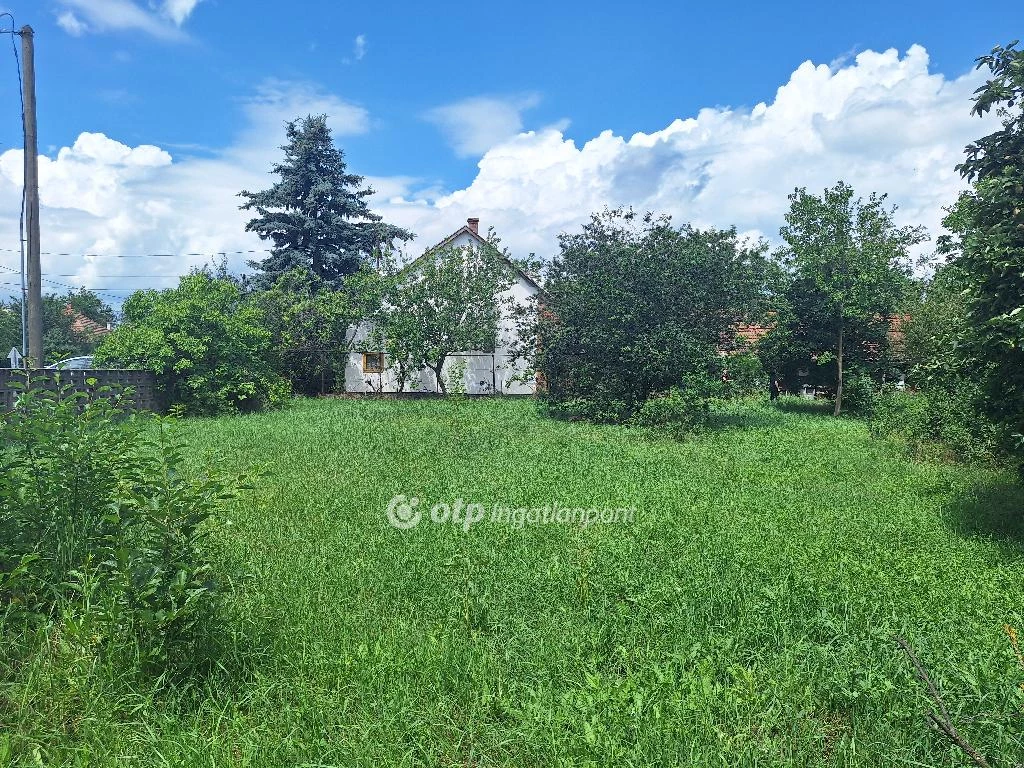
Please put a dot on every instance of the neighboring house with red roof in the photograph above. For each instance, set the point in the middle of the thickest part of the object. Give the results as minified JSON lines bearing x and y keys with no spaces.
{"x":747,"y":336}
{"x":84,"y":326}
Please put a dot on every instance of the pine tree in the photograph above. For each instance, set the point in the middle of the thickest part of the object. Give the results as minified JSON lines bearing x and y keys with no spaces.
{"x":316,"y":215}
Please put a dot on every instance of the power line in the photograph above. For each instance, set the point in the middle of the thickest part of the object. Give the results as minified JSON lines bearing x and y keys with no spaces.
{"x":144,"y":255}
{"x":99,"y":289}
{"x":113,"y":290}
{"x":131,"y":277}
{"x":110,"y":291}
{"x":150,"y":276}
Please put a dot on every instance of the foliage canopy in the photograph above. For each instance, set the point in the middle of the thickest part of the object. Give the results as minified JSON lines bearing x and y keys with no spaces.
{"x":988,"y":241}
{"x":634,"y":306}
{"x":447,"y":301}
{"x":61,"y":337}
{"x":849,"y":265}
{"x":208,"y":347}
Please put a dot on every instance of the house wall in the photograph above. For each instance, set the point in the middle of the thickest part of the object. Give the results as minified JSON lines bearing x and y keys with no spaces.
{"x":510,"y":370}
{"x":485,"y":372}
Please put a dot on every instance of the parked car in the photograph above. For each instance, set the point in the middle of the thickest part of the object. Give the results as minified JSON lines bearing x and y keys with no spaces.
{"x":73,"y":363}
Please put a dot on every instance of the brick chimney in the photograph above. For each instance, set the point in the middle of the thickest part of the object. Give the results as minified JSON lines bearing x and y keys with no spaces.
{"x":474,"y":225}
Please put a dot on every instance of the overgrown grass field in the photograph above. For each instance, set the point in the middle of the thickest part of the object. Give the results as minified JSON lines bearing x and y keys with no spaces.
{"x":744,"y":617}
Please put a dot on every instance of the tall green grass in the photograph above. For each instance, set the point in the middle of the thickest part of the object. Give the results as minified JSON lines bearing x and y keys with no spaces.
{"x":744,"y":618}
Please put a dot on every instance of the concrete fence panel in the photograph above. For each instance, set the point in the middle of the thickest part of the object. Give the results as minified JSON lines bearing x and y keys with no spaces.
{"x":142,"y":383}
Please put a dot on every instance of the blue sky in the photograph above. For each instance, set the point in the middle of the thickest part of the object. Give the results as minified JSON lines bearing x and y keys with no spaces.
{"x":599,"y":66}
{"x":527,"y":114}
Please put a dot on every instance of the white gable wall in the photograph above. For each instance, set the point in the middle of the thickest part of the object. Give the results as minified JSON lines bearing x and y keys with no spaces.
{"x":463,"y":240}
{"x":510,"y":370}
{"x":485,"y":372}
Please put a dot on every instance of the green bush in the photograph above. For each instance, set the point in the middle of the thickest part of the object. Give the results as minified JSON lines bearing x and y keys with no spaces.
{"x":746,"y":375}
{"x":860,"y":394}
{"x":102,"y":534}
{"x":633,"y":305}
{"x":936,"y":423}
{"x":596,"y":409}
{"x":901,"y":415}
{"x":680,"y":411}
{"x":207,"y":347}
{"x":309,"y":322}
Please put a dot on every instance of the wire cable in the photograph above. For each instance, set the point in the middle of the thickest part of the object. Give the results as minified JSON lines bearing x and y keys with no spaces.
{"x":145,"y":255}
{"x":21,"y":227}
{"x":110,"y":291}
{"x":111,"y":275}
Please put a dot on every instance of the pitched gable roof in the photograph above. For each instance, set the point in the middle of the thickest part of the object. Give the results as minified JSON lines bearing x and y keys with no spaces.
{"x":474,"y":234}
{"x":465,"y":229}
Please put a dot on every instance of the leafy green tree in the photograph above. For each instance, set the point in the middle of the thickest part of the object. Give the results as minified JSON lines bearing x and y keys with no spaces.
{"x":316,"y":215}
{"x":799,"y":346}
{"x":10,"y":329}
{"x":447,"y":301}
{"x":988,"y":241}
{"x":312,"y":325}
{"x":207,"y":346}
{"x":745,"y":375}
{"x":937,"y":333}
{"x":854,"y":259}
{"x":939,"y":339}
{"x":61,"y":339}
{"x":397,"y":332}
{"x":633,"y":308}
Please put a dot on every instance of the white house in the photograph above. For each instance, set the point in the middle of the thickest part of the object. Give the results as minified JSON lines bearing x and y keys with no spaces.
{"x":483,"y":373}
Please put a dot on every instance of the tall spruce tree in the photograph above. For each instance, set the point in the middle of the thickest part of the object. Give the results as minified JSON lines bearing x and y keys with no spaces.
{"x":316,"y":215}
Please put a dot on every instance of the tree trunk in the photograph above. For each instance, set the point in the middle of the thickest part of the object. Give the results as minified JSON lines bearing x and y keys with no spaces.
{"x":839,"y":378}
{"x":441,"y":388}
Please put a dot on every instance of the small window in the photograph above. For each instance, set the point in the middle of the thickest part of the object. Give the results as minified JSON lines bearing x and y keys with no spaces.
{"x":373,"y":362}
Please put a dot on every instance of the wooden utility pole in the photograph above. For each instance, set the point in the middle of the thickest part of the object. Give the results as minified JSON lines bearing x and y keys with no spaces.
{"x":32,"y":266}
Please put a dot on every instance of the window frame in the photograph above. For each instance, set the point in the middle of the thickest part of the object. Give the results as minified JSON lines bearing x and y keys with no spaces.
{"x":379,"y":356}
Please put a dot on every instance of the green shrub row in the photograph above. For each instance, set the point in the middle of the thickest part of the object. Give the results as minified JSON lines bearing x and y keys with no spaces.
{"x":936,"y":423}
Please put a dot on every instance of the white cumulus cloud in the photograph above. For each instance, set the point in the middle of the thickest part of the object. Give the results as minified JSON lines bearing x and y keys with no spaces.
{"x":102,"y":199}
{"x":164,"y":21}
{"x":71,"y":24}
{"x":178,"y":10}
{"x":882,"y":122}
{"x":477,"y":124}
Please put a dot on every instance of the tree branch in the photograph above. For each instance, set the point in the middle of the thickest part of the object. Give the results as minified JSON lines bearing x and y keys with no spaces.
{"x":942,"y":721}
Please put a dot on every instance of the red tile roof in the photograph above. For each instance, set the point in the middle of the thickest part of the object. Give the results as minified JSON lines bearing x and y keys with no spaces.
{"x":83,"y":325}
{"x":748,"y":335}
